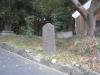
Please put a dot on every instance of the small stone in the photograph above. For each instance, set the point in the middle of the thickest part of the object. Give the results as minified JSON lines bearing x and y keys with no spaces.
{"x":73,"y":63}
{"x":27,"y":50}
{"x":77,"y":65}
{"x":53,"y":61}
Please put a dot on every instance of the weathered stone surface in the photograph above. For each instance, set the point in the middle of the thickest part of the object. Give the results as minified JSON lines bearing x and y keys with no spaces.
{"x":48,"y":34}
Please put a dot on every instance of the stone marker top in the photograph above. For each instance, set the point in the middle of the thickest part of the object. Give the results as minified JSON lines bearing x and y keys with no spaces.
{"x":48,"y":25}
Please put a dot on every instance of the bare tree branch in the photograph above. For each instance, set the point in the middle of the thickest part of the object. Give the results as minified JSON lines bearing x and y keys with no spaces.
{"x":80,"y":8}
{"x":95,"y":6}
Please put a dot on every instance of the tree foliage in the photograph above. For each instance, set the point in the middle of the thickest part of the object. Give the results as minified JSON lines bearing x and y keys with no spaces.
{"x":57,"y":12}
{"x":16,"y":10}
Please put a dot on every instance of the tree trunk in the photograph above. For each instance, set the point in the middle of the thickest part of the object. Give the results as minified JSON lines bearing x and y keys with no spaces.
{"x":92,"y":24}
{"x":89,"y":25}
{"x":85,"y":28}
{"x":88,"y":16}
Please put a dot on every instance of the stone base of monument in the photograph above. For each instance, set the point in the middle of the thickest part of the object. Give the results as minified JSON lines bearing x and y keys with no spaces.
{"x":4,"y":32}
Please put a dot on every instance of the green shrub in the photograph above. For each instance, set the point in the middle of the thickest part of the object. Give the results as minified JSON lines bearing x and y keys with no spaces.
{"x":28,"y":30}
{"x":59,"y":18}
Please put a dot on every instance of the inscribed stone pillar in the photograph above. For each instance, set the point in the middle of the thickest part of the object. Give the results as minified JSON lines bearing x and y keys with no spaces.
{"x":48,"y":34}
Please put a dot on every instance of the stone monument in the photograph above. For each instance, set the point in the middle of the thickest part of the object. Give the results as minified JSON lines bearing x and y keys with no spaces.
{"x":48,"y":34}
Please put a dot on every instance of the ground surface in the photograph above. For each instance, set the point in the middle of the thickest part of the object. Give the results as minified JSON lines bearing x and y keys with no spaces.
{"x":69,"y":51}
{"x":12,"y":64}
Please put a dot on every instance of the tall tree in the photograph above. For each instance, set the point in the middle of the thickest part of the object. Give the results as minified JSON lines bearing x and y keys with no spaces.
{"x":88,"y":16}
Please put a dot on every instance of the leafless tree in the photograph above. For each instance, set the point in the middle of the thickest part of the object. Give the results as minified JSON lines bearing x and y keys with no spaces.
{"x":88,"y":15}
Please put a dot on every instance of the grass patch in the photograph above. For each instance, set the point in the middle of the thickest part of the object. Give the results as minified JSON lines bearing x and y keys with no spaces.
{"x":65,"y":58}
{"x":21,"y":41}
{"x":34,"y":43}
